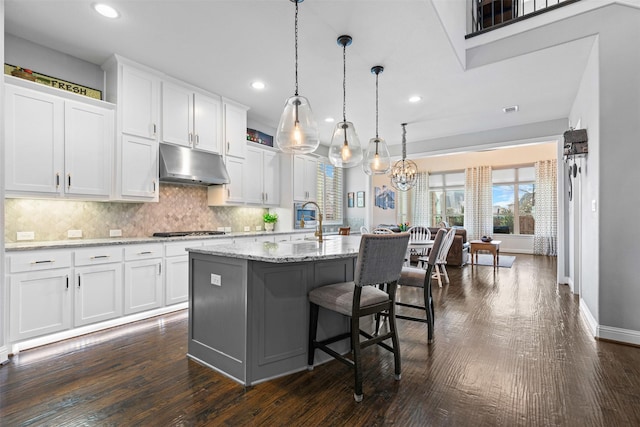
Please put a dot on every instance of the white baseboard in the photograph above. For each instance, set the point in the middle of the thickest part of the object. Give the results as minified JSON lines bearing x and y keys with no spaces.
{"x":618,"y":334}
{"x":76,"y":332}
{"x":589,"y":319}
{"x":4,"y":355}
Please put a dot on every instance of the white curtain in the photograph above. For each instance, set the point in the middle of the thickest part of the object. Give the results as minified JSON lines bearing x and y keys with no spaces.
{"x":545,"y":237}
{"x":478,"y":197}
{"x":420,"y":200}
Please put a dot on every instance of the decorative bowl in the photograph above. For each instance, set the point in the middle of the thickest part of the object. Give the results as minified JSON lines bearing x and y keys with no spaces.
{"x":486,"y":239}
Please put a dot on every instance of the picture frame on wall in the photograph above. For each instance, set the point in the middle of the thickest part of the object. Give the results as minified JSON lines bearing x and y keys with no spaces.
{"x":360,"y":199}
{"x":350,"y":199}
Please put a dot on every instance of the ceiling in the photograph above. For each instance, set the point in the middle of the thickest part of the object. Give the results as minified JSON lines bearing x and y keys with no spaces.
{"x":224,"y":45}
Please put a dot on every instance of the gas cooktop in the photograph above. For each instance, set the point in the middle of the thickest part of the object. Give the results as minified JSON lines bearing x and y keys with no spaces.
{"x":187,"y":233}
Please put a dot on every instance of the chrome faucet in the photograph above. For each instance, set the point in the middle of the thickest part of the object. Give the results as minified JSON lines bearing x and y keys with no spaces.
{"x":318,"y":232}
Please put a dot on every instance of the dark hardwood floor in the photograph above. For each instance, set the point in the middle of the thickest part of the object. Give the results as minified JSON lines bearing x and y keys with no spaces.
{"x":510,"y":349}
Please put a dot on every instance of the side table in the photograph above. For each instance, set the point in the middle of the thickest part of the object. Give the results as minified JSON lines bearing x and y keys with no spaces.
{"x":492,"y":246}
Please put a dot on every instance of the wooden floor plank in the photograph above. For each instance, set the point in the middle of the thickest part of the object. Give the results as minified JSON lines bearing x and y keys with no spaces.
{"x":510,"y":349}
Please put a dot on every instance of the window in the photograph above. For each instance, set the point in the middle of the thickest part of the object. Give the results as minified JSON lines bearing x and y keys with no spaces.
{"x":330,"y":191}
{"x":446,"y":198}
{"x":514,"y":193}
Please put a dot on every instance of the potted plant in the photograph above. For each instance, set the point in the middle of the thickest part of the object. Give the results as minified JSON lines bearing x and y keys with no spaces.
{"x":270,"y":220}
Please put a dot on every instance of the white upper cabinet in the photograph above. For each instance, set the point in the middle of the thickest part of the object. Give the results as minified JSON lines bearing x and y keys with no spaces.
{"x":190,"y":118}
{"x":207,"y":122}
{"x":233,"y":192}
{"x":88,"y":155}
{"x":139,"y":168}
{"x":138,"y":102}
{"x":235,"y":129}
{"x":136,"y":90}
{"x":304,"y":178}
{"x":56,"y":146}
{"x":263,"y":184}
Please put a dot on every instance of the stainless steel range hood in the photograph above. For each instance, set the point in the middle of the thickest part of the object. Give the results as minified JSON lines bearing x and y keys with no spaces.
{"x":186,"y":166}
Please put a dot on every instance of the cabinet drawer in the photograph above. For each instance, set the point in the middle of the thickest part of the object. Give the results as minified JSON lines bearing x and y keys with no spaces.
{"x":179,"y":248}
{"x":136,"y":252}
{"x":39,"y":260}
{"x":98,"y":255}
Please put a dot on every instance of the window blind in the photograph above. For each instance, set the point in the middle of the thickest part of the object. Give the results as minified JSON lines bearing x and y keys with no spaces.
{"x":330,"y":191}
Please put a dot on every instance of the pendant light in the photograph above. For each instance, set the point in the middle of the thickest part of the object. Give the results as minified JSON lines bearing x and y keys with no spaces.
{"x":297,"y":131}
{"x":404,"y":172}
{"x":345,"y":150}
{"x":376,"y":159}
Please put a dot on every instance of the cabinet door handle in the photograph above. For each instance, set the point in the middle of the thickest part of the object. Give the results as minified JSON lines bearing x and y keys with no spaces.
{"x":69,"y":180}
{"x":197,"y":139}
{"x":100,"y":256}
{"x":44,"y":261}
{"x":228,"y":147}
{"x":228,"y":193}
{"x":78,"y":281}
{"x":190,"y":138}
{"x":154,"y":129}
{"x":57,"y":180}
{"x":266,"y":197}
{"x":67,"y":282}
{"x":154,"y":186}
{"x":160,"y":269}
{"x":145,"y":253}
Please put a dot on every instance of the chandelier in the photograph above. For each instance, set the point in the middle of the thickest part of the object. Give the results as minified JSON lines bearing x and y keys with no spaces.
{"x":297,"y":131}
{"x":404,"y":172}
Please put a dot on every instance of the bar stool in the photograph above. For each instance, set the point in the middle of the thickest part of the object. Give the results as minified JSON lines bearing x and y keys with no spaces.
{"x":421,"y":278}
{"x":379,"y":262}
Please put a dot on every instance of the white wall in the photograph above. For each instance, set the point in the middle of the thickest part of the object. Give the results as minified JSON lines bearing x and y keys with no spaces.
{"x":3,"y":284}
{"x":618,"y":204}
{"x":583,"y":229}
{"x":26,"y":54}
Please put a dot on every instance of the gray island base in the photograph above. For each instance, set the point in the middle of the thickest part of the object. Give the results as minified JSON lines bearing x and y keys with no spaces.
{"x":248,"y":307}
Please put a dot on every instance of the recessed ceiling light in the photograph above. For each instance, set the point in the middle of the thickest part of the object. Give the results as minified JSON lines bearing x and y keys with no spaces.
{"x":106,"y":10}
{"x":329,"y":120}
{"x":415,"y":99}
{"x":511,"y":109}
{"x":258,"y":85}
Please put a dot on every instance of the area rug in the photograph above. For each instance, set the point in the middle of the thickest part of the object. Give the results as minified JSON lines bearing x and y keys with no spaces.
{"x":503,"y":261}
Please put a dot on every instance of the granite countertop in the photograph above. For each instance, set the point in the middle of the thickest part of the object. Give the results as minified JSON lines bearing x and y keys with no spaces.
{"x":283,"y":252}
{"x":78,"y":243}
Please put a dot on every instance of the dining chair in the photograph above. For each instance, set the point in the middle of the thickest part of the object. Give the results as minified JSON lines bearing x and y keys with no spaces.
{"x":421,"y":278}
{"x":419,"y":242}
{"x":379,"y":263}
{"x":441,"y":261}
{"x":382,"y":230}
{"x":344,"y":231}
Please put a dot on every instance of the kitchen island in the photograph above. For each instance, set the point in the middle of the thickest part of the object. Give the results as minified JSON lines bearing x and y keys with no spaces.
{"x":248,"y":307}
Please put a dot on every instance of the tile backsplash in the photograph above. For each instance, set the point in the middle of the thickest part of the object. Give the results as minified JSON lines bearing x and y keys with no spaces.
{"x":180,"y":207}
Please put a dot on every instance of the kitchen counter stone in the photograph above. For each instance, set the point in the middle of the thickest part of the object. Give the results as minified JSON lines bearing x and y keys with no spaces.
{"x":79,"y":243}
{"x":333,"y":247}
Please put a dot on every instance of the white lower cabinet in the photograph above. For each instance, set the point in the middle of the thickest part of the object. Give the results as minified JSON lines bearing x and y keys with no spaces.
{"x":143,"y":278}
{"x":98,"y":293}
{"x":40,"y":303}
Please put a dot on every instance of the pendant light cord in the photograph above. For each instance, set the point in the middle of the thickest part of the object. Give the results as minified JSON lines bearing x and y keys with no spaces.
{"x":377,"y":73}
{"x":296,"y":46}
{"x":344,"y":84}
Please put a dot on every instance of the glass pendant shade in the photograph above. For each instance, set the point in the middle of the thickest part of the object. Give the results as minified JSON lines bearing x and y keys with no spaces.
{"x":297,"y":131}
{"x":345,"y":150}
{"x":376,"y":159}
